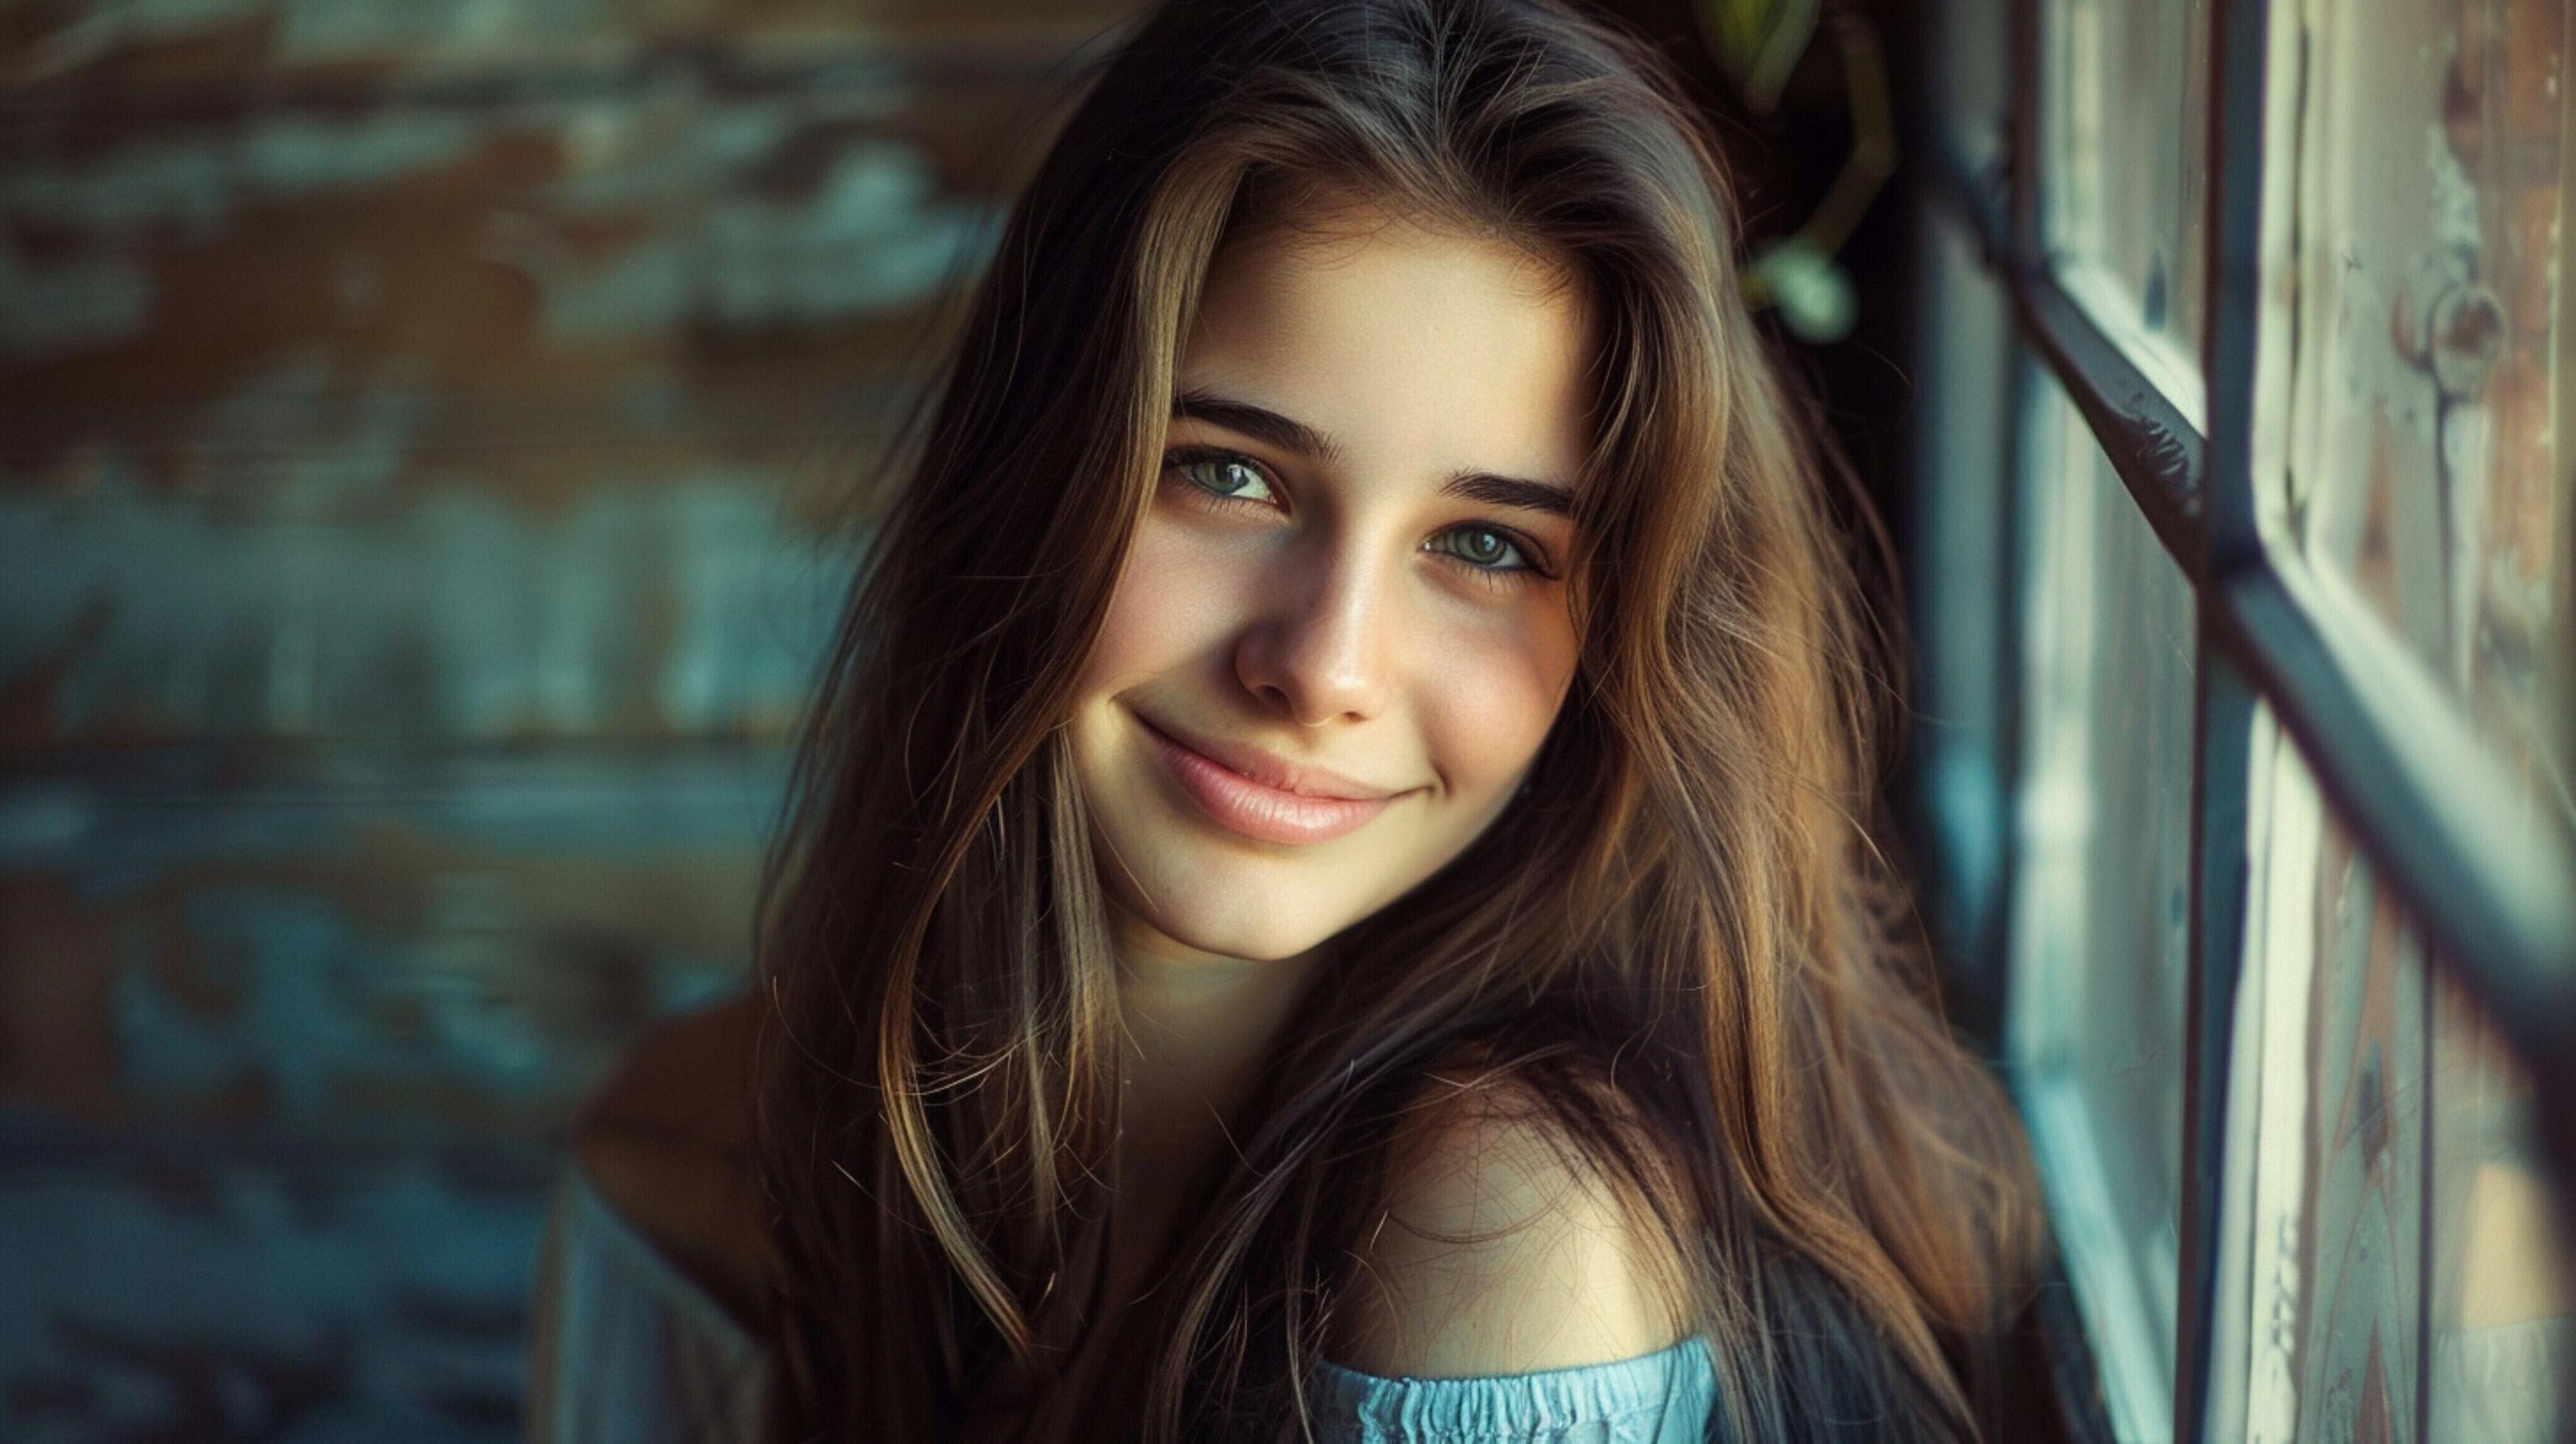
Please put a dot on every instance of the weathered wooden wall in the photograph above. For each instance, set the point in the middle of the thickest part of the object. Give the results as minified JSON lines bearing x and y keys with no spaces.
{"x":423,"y":429}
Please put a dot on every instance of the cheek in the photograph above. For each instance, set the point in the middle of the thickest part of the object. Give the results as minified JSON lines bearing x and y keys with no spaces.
{"x":1175,"y":604}
{"x":1496,"y":697}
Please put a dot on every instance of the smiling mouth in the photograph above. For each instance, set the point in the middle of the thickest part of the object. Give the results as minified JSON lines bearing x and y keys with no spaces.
{"x":1255,"y":809}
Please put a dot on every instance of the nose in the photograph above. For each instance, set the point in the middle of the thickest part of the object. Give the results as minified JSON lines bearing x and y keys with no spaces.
{"x":1319,"y":652}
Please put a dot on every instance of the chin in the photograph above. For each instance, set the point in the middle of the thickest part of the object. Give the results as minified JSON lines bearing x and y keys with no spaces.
{"x":1261,"y":934}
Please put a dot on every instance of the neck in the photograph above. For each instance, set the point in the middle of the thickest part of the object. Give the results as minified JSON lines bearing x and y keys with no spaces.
{"x":1196,"y":1026}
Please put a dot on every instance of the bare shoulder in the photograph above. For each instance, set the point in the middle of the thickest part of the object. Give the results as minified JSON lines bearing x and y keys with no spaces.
{"x":667,"y":1141}
{"x":1499,"y":1248}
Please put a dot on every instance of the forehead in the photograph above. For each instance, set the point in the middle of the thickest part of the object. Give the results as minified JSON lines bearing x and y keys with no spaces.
{"x":1411,"y":346}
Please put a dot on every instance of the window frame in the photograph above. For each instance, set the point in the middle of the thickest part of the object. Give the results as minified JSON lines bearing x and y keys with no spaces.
{"x":2397,"y":759}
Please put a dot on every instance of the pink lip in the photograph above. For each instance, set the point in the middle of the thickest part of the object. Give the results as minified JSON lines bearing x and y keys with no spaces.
{"x":1255,"y":794}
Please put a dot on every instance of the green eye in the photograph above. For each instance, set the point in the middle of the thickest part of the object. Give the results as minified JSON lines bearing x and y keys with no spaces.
{"x":1483,"y":546}
{"x":1226,"y":477}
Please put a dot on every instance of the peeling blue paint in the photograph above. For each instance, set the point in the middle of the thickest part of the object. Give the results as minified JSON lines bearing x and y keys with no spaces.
{"x":313,"y":990}
{"x":453,"y":616}
{"x":876,"y":236}
{"x":376,"y":1301}
{"x":43,"y":818}
{"x":194,"y":182}
{"x":297,"y":439}
{"x":444,"y":607}
{"x":185,"y":185}
{"x":70,"y":307}
{"x":309,"y":30}
{"x":114,"y":839}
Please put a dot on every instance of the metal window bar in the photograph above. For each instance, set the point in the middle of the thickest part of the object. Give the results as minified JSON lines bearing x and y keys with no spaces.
{"x":2225,"y":713}
{"x":2502,"y":925}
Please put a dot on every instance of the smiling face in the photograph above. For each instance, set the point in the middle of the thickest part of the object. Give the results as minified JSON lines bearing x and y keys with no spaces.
{"x":1342,"y":633}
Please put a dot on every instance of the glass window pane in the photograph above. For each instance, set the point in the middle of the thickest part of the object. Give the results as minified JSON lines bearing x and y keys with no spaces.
{"x":2428,"y":384}
{"x":2101,"y":909}
{"x":2392,"y":1268}
{"x":2124,"y":87}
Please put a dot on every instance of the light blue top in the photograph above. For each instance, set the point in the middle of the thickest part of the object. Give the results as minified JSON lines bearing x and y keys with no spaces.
{"x":625,"y":1347}
{"x":1660,"y":1398}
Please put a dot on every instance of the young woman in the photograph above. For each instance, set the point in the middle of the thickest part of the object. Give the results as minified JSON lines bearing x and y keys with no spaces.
{"x":1326,"y":888}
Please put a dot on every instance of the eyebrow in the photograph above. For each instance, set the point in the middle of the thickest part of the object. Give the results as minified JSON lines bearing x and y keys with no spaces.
{"x":1288,"y":433}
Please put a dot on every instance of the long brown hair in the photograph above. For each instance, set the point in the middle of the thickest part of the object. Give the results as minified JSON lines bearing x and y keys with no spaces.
{"x":1680,"y":937}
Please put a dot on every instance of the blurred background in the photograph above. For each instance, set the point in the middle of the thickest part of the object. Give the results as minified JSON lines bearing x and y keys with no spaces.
{"x":427,"y":430}
{"x":423,"y":425}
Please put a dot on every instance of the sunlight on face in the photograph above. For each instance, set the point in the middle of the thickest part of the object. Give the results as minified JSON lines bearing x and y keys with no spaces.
{"x":1342,"y":633}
